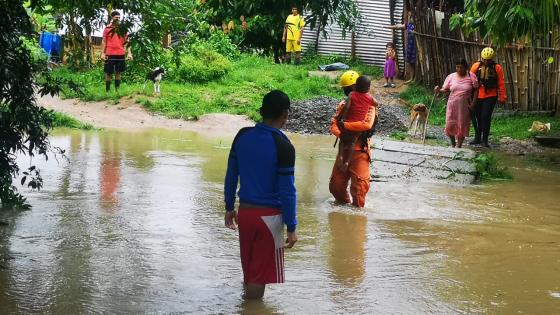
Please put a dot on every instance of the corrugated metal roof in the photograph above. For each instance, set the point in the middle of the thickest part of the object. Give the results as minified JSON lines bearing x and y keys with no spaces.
{"x":371,"y":36}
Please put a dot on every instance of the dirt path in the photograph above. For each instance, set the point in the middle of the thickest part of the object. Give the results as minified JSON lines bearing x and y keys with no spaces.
{"x":131,"y":116}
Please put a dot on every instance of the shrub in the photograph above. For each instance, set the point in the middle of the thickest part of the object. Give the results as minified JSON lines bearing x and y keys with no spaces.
{"x":222,"y":44}
{"x":488,"y":168}
{"x":147,"y":56}
{"x":202,"y":65}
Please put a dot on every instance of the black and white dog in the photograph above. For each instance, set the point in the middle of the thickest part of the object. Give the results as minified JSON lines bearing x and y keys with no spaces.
{"x":155,"y":76}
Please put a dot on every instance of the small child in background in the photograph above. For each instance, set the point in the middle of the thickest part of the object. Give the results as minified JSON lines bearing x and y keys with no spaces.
{"x":390,"y":69}
{"x":358,"y":105}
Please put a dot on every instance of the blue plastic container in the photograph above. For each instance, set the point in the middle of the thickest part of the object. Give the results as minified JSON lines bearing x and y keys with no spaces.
{"x":52,"y":44}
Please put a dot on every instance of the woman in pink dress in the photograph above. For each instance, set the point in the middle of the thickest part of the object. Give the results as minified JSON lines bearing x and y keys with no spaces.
{"x":460,"y":85}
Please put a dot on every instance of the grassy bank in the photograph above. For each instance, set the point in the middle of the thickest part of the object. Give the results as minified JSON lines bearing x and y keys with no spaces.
{"x":61,"y":120}
{"x":238,"y":92}
{"x":515,"y":126}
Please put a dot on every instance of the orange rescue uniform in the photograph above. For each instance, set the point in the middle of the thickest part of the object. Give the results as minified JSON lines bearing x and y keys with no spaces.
{"x":358,"y":172}
{"x":492,"y":92}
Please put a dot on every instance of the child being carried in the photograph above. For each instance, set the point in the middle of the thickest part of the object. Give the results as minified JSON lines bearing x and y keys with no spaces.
{"x":356,"y":109}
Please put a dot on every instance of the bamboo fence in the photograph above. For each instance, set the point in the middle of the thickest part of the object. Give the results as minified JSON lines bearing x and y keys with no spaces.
{"x":532,"y":84}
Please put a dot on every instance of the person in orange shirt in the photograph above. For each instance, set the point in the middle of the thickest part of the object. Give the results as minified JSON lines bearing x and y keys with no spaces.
{"x":353,"y":124}
{"x":113,"y":50}
{"x":492,"y":87}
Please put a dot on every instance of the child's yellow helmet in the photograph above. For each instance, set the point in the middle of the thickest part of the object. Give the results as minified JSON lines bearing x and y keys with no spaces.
{"x":487,"y":53}
{"x":348,"y":78}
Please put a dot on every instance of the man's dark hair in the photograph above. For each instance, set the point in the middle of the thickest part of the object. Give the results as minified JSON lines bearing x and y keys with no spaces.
{"x":362,"y":84}
{"x":115,"y":13}
{"x":294,"y":6}
{"x":463,"y":63}
{"x":274,"y":104}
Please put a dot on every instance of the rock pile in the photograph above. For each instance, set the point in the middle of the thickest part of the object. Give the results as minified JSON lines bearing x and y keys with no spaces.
{"x":313,"y":116}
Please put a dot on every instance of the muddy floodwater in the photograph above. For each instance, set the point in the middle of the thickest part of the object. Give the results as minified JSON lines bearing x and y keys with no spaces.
{"x":133,"y":223}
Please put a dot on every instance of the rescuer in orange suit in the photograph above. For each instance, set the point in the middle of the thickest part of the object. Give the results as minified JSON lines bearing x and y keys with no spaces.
{"x":353,"y":123}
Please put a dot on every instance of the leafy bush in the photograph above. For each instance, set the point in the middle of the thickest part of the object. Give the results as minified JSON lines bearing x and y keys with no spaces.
{"x":202,"y":65}
{"x":488,"y":169}
{"x":399,"y":135}
{"x":222,"y":44}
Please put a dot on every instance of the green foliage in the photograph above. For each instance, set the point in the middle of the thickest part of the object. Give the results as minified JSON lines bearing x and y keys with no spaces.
{"x":43,"y":21}
{"x":222,"y":44}
{"x":399,"y":135}
{"x":504,"y":21}
{"x":62,"y":120}
{"x":23,"y":124}
{"x":202,"y":65}
{"x":184,"y":18}
{"x":265,"y":18}
{"x":32,"y":45}
{"x":488,"y":168}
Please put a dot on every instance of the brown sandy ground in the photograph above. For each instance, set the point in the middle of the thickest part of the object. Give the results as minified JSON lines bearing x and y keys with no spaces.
{"x":131,"y":116}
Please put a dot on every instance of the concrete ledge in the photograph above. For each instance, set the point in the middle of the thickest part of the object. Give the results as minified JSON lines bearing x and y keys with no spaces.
{"x":415,"y":162}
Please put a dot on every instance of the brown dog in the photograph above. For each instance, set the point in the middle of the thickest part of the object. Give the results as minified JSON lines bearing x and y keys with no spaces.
{"x":418,"y":116}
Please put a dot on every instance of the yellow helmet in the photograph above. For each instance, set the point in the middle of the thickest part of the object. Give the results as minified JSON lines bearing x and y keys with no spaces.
{"x":487,"y":53}
{"x":348,"y":78}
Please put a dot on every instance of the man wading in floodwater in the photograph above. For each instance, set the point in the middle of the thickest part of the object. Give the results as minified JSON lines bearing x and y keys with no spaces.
{"x":353,"y":125}
{"x":263,"y":159}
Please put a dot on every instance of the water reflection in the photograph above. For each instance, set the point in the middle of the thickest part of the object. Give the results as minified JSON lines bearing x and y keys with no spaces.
{"x":348,"y":235}
{"x":110,"y":174}
{"x":133,"y":223}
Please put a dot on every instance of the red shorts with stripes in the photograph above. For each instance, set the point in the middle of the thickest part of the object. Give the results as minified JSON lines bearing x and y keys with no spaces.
{"x":261,"y":239}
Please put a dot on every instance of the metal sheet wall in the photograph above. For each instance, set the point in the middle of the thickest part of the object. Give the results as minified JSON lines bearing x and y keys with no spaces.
{"x":334,"y":43}
{"x":371,"y":36}
{"x":309,"y":37}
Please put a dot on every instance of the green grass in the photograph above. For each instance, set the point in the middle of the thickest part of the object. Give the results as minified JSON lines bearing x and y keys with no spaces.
{"x":399,"y":135}
{"x":515,"y":126}
{"x":312,"y":62}
{"x":92,"y":84}
{"x":63,"y":120}
{"x":238,"y":92}
{"x":418,"y":94}
{"x":488,"y":168}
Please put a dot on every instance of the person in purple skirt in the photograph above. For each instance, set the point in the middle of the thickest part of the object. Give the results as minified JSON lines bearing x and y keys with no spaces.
{"x":410,"y":46}
{"x":390,"y":69}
